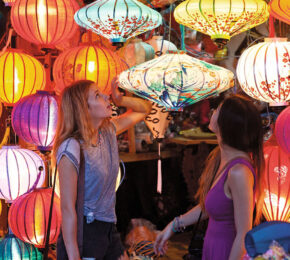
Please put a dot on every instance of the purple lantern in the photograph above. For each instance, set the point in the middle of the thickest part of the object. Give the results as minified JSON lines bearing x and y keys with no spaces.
{"x":34,"y":119}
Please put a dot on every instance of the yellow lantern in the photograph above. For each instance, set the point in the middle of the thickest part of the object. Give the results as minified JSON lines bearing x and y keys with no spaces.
{"x":21,"y":75}
{"x":280,"y":9}
{"x":221,"y":19}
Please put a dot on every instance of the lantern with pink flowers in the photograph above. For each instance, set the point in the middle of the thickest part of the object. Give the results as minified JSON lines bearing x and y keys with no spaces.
{"x":34,"y":119}
{"x":282,"y":130}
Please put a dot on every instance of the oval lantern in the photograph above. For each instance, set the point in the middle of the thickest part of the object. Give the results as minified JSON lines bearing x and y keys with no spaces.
{"x":282,"y":130}
{"x":88,"y":62}
{"x":44,"y":22}
{"x":263,"y":71}
{"x":280,"y":9}
{"x":277,"y":179}
{"x":21,"y":75}
{"x":34,"y":119}
{"x":176,"y":80}
{"x":21,"y":171}
{"x":160,"y":45}
{"x":221,"y":19}
{"x":12,"y":248}
{"x":118,"y":20}
{"x":28,"y":217}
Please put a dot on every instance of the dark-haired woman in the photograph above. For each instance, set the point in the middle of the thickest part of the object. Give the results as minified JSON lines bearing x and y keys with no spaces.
{"x":230,"y":183}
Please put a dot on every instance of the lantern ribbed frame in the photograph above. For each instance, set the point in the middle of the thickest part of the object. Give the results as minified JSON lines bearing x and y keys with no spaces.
{"x":21,"y":75}
{"x":160,"y":45}
{"x":118,"y":20}
{"x":280,"y":9}
{"x":88,"y":62}
{"x":46,"y":22}
{"x":28,"y":217}
{"x":20,"y":170}
{"x":277,"y":183}
{"x":282,"y":130}
{"x":176,"y":80}
{"x":263,"y":71}
{"x":34,"y":119}
{"x":221,"y":19}
{"x":12,"y":248}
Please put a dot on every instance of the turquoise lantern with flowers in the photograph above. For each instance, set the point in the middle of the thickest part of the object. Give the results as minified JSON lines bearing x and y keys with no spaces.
{"x":118,"y":20}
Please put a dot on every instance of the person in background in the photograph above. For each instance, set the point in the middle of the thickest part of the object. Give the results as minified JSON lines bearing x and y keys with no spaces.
{"x":230,"y":183}
{"x":84,"y":120}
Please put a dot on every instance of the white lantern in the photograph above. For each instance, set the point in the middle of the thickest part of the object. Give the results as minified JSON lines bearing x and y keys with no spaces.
{"x":20,"y":171}
{"x":263,"y":71}
{"x":161,"y":46}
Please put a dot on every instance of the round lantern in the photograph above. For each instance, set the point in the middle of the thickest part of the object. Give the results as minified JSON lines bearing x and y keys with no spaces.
{"x":12,"y":248}
{"x":89,"y":62}
{"x":118,"y":20}
{"x":21,"y":170}
{"x":277,"y":179}
{"x":263,"y":71}
{"x":280,"y":9}
{"x":160,"y":45}
{"x":9,"y":2}
{"x":221,"y":19}
{"x":44,"y":22}
{"x":28,"y":217}
{"x":176,"y":80}
{"x":282,"y":130}
{"x":34,"y":119}
{"x":21,"y":75}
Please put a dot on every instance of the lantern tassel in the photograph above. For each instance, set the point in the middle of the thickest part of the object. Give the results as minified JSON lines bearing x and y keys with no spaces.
{"x":159,"y":176}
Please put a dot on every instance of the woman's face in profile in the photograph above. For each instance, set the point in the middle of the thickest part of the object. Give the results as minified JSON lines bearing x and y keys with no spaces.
{"x":213,"y":124}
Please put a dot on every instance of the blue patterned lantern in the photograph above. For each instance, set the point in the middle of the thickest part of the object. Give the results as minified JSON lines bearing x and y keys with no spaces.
{"x":176,"y":80}
{"x":118,"y":20}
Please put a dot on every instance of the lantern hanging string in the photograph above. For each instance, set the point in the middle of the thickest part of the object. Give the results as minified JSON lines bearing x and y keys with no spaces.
{"x":8,"y":41}
{"x":170,"y":18}
{"x":272,"y":32}
{"x":182,"y":37}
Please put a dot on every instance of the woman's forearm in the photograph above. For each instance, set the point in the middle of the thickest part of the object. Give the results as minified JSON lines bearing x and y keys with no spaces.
{"x":136,"y":104}
{"x":238,"y":248}
{"x":191,"y":217}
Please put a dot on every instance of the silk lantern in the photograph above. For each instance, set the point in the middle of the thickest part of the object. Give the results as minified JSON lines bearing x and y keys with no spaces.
{"x":221,"y":19}
{"x":44,"y":22}
{"x":280,"y":9}
{"x":282,"y":130}
{"x":160,"y":45}
{"x":21,"y":170}
{"x":176,"y":80}
{"x":12,"y":248}
{"x":277,"y":179}
{"x":88,"y":62}
{"x":21,"y":75}
{"x":28,"y":217}
{"x":263,"y":71}
{"x":34,"y":119}
{"x":118,"y":20}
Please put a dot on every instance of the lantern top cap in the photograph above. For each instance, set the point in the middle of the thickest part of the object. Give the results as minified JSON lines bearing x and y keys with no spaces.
{"x":10,"y":147}
{"x":274,"y":39}
{"x":135,"y":40}
{"x":45,"y":92}
{"x":157,"y":37}
{"x":176,"y":52}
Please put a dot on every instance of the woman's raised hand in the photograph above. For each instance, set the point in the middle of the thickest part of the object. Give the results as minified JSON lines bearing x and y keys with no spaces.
{"x":160,"y":245}
{"x":117,"y":96}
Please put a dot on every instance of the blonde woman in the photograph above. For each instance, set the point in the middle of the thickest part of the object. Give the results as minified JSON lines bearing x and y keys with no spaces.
{"x":84,"y":119}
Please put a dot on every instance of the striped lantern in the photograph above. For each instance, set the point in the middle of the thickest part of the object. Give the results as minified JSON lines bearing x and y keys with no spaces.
{"x":21,"y":171}
{"x":34,"y":119}
{"x":118,"y":20}
{"x":160,"y":45}
{"x":280,"y":9}
{"x":87,"y":62}
{"x":21,"y":75}
{"x":12,"y":248}
{"x":28,"y":217}
{"x":282,"y":130}
{"x":263,"y":71}
{"x":46,"y":22}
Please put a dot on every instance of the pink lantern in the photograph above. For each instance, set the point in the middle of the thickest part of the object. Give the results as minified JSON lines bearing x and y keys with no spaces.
{"x":282,"y":130}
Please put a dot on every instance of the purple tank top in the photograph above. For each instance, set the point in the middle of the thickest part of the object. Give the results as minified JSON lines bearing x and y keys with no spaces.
{"x":221,"y":230}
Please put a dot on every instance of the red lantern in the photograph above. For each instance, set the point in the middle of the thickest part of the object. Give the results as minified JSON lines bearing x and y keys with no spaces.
{"x":277,"y":181}
{"x":28,"y":217}
{"x":282,"y":130}
{"x":46,"y":22}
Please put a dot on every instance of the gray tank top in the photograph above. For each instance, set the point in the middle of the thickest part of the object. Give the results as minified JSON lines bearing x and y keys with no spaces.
{"x":101,"y":170}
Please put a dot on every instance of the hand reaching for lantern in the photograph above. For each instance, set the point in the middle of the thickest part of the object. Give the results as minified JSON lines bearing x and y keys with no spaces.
{"x":160,"y":245}
{"x":117,"y":96}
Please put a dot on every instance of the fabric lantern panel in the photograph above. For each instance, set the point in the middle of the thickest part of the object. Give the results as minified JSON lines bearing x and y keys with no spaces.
{"x":160,"y":45}
{"x":34,"y":119}
{"x":282,"y":130}
{"x":118,"y":20}
{"x":176,"y":80}
{"x":280,"y":9}
{"x":263,"y":71}
{"x":21,"y":75}
{"x":28,"y":217}
{"x":88,"y":62}
{"x":46,"y":22}
{"x":21,"y":170}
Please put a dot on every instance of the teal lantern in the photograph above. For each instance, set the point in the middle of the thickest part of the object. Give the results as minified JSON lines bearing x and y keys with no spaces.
{"x":12,"y":248}
{"x":118,"y":20}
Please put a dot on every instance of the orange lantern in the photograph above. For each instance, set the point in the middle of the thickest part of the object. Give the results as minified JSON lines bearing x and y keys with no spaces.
{"x":277,"y":180}
{"x":280,"y":9}
{"x":45,"y":22}
{"x":21,"y":75}
{"x":88,"y":62}
{"x":28,"y":217}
